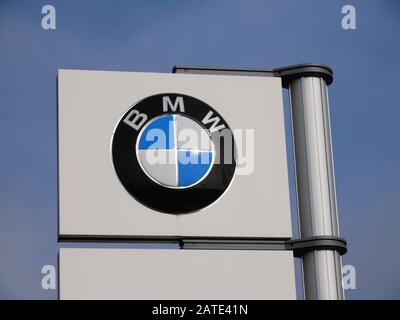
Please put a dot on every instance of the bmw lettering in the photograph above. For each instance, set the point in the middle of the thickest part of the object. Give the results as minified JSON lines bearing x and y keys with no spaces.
{"x":173,"y":153}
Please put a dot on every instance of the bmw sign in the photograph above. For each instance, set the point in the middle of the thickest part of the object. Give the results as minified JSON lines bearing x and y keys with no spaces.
{"x":194,"y":158}
{"x":167,"y":153}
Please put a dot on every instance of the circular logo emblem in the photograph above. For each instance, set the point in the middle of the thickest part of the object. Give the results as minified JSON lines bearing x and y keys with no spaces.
{"x":173,"y":153}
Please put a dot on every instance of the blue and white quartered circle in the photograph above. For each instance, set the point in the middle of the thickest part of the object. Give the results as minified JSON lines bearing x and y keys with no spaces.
{"x":175,"y":151}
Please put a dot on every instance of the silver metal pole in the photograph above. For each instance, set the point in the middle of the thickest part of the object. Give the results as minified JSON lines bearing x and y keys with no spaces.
{"x":316,"y":195}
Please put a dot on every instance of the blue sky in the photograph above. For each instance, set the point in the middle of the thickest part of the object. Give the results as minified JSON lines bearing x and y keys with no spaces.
{"x":155,"y":35}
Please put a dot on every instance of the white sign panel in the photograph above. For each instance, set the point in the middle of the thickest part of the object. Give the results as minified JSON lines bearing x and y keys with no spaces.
{"x":176,"y":274}
{"x":171,"y":155}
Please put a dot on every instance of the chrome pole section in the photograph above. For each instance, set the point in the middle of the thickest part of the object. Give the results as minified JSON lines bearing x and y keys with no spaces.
{"x":316,"y":195}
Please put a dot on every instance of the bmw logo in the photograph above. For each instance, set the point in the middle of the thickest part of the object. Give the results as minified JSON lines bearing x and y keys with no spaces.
{"x":173,"y":153}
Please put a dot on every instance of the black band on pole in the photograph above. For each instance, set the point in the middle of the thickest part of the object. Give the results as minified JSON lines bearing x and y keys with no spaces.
{"x":304,"y":245}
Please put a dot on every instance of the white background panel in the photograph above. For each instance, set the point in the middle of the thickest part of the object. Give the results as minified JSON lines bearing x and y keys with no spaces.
{"x":176,"y":274}
{"x":92,"y":201}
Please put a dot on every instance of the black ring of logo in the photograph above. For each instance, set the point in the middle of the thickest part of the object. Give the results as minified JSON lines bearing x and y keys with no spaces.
{"x":154,"y":195}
